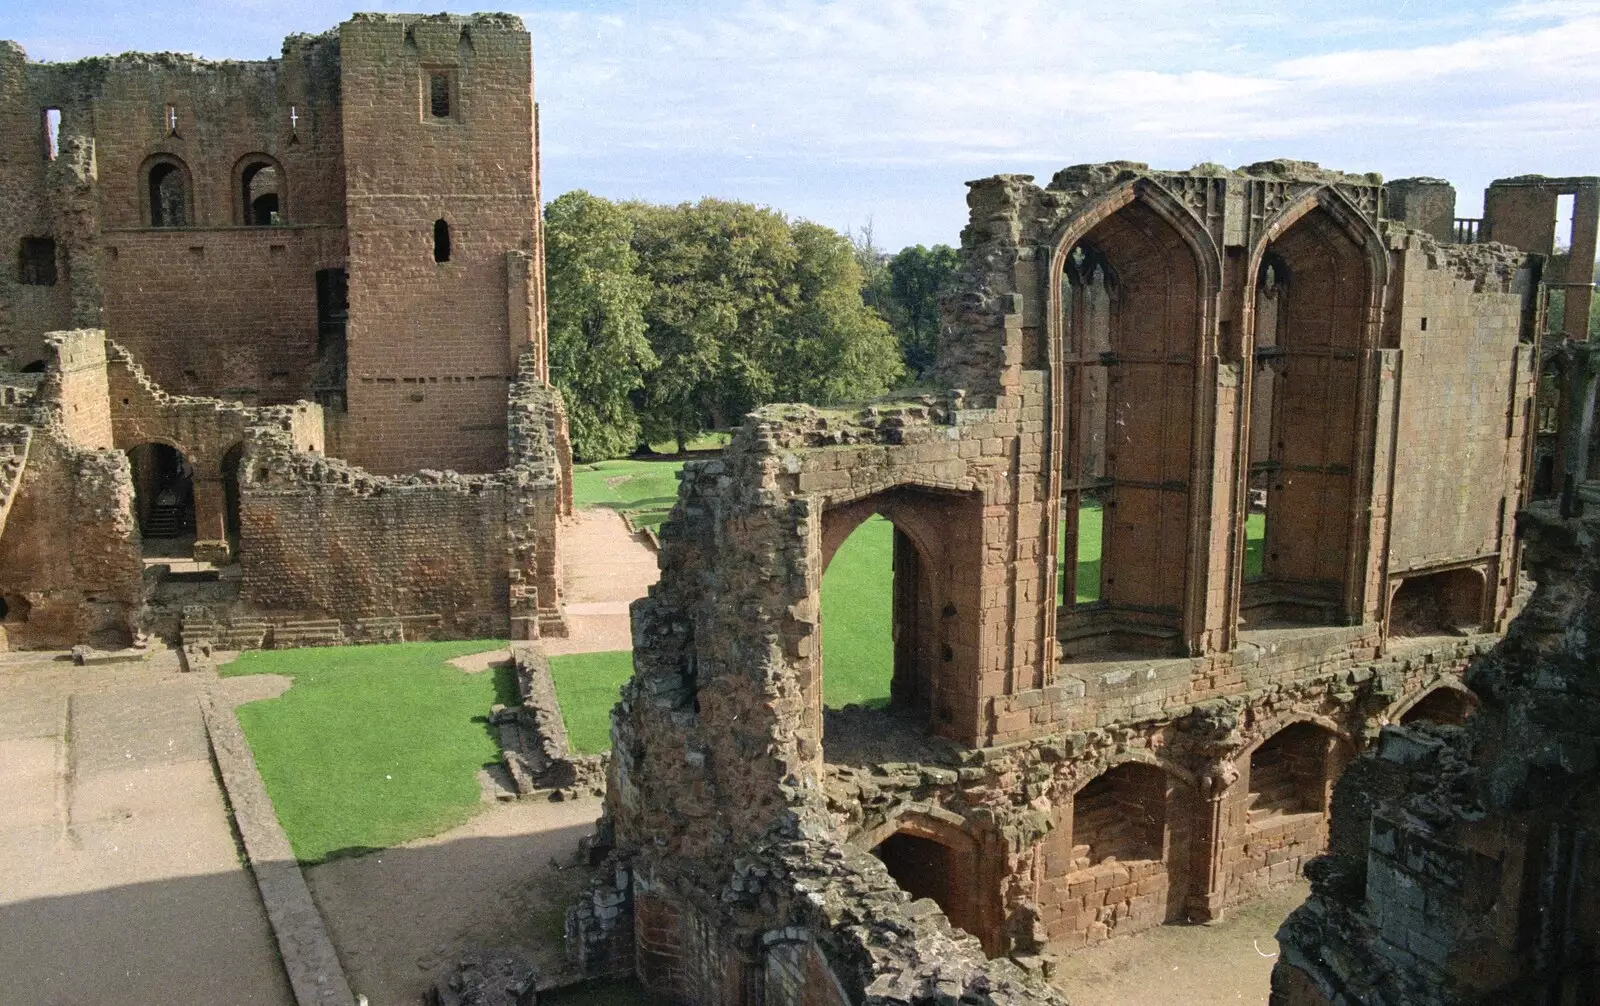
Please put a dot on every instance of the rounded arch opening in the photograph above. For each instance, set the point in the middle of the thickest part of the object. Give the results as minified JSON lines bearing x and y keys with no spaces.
{"x":1311,"y":291}
{"x":260,"y":198}
{"x":929,"y":859}
{"x":1120,"y":816}
{"x":1132,"y":292}
{"x":163,"y":493}
{"x":167,"y":192}
{"x":14,"y":609}
{"x":441,"y":240}
{"x":1445,"y":704}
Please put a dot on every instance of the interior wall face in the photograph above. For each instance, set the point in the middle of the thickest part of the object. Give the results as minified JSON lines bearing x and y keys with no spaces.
{"x":1315,"y":403}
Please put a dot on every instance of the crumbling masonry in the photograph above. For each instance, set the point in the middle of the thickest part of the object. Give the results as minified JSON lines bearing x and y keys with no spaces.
{"x":1185,"y":349}
{"x":290,"y":300}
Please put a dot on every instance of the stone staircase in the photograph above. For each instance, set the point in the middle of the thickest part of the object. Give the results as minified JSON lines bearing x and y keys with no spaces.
{"x":166,"y":520}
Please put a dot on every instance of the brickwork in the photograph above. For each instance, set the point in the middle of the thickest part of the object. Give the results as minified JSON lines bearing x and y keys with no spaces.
{"x":220,"y":294}
{"x":1194,"y":719}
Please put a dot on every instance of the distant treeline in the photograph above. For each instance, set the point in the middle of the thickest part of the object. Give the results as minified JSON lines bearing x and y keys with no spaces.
{"x":667,"y":321}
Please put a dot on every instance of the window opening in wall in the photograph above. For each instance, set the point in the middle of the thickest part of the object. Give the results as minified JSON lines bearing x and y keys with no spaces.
{"x":172,"y":120}
{"x":36,"y":367}
{"x":261,"y":184}
{"x":858,"y":617}
{"x":168,"y":206}
{"x":1087,"y":293}
{"x":36,"y":262}
{"x":441,"y":241}
{"x":439,"y":94}
{"x":14,"y":608}
{"x":52,"y":133}
{"x":333,"y":310}
{"x":1565,"y":205}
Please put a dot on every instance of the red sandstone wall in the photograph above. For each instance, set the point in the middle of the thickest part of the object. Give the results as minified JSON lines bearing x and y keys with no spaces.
{"x":228,"y":312}
{"x":423,"y":393}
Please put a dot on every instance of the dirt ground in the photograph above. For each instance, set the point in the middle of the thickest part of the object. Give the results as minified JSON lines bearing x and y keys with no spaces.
{"x":1225,"y":962}
{"x":402,"y":917}
{"x":119,"y":877}
{"x":605,"y":569}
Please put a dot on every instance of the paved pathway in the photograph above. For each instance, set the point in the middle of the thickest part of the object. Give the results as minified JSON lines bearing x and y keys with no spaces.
{"x":606,"y":568}
{"x":120,"y":881}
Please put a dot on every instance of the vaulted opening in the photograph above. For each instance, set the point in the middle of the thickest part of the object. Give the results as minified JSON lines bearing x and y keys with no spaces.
{"x":163,"y":488}
{"x":1120,"y":816}
{"x":1291,"y":773}
{"x":1447,"y":603}
{"x":168,"y":193}
{"x":1449,"y":706}
{"x":942,"y":868}
{"x":260,"y":192}
{"x":1311,"y":293}
{"x":14,"y":608}
{"x":1130,"y":320}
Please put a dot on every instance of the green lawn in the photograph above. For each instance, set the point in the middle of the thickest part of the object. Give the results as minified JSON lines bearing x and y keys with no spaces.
{"x":857,"y":598}
{"x":372,"y":745}
{"x":644,"y":490}
{"x":704,"y":442}
{"x":1091,"y":530}
{"x":587,"y":685}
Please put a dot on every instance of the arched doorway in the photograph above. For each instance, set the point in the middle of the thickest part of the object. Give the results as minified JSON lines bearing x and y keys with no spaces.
{"x":929,"y":859}
{"x":1107,"y":872}
{"x":1311,"y":294}
{"x":1132,"y":311}
{"x":1281,"y":811}
{"x":163,"y":486}
{"x":913,"y":553}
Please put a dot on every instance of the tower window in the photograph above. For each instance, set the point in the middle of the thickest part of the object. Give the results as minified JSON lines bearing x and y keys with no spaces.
{"x":439,"y":94}
{"x":52,"y":133}
{"x":441,"y":241}
{"x":36,"y":262}
{"x":168,"y":193}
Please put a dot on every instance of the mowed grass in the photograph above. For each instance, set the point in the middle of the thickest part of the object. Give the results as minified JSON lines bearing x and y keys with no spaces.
{"x":857,"y":607}
{"x":1091,"y":536}
{"x":644,"y":490}
{"x":372,"y":746}
{"x":587,"y":685}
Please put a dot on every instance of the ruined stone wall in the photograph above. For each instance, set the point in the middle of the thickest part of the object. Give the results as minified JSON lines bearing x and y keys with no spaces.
{"x":323,"y":539}
{"x":77,"y":387}
{"x":1460,"y":869}
{"x":408,"y":169}
{"x":1468,"y":374}
{"x":70,"y":570}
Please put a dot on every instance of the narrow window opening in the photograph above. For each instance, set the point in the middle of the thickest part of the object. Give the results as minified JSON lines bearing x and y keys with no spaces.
{"x":294,"y":117}
{"x":172,"y":120}
{"x":441,"y":241}
{"x":36,"y":262}
{"x":439,"y":94}
{"x":1424,"y":324}
{"x":1564,"y":211}
{"x":52,"y":133}
{"x":261,"y":195}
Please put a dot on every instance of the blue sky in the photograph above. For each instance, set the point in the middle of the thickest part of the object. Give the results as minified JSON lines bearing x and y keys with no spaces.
{"x":845,"y":111}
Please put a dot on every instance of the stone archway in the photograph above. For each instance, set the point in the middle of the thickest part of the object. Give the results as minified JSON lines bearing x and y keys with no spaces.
{"x":163,"y":487}
{"x":939,"y":860}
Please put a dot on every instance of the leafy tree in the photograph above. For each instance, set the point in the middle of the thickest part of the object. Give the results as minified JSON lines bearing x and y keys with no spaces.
{"x":599,"y":353}
{"x":917,"y":277}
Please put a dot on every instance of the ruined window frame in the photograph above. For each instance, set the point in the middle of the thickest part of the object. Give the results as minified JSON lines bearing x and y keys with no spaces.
{"x":186,"y":180}
{"x":244,"y":170}
{"x":34,"y":266}
{"x":427,"y":107}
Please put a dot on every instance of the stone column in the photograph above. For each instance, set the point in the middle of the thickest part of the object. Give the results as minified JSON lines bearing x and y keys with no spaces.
{"x":1208,"y":880}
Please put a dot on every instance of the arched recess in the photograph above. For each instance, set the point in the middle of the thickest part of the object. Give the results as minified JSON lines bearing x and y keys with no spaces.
{"x":936,"y":570}
{"x":167,"y":191}
{"x":1450,"y":602}
{"x":1291,"y":772}
{"x":1133,"y":302}
{"x":163,"y":488}
{"x":1447,"y":702}
{"x":939,"y":860}
{"x":1312,"y":310}
{"x":260,"y":191}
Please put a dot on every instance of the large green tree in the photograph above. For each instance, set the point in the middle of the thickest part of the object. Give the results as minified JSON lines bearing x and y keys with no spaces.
{"x":599,"y":350}
{"x":918,"y":276}
{"x":747,"y":308}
